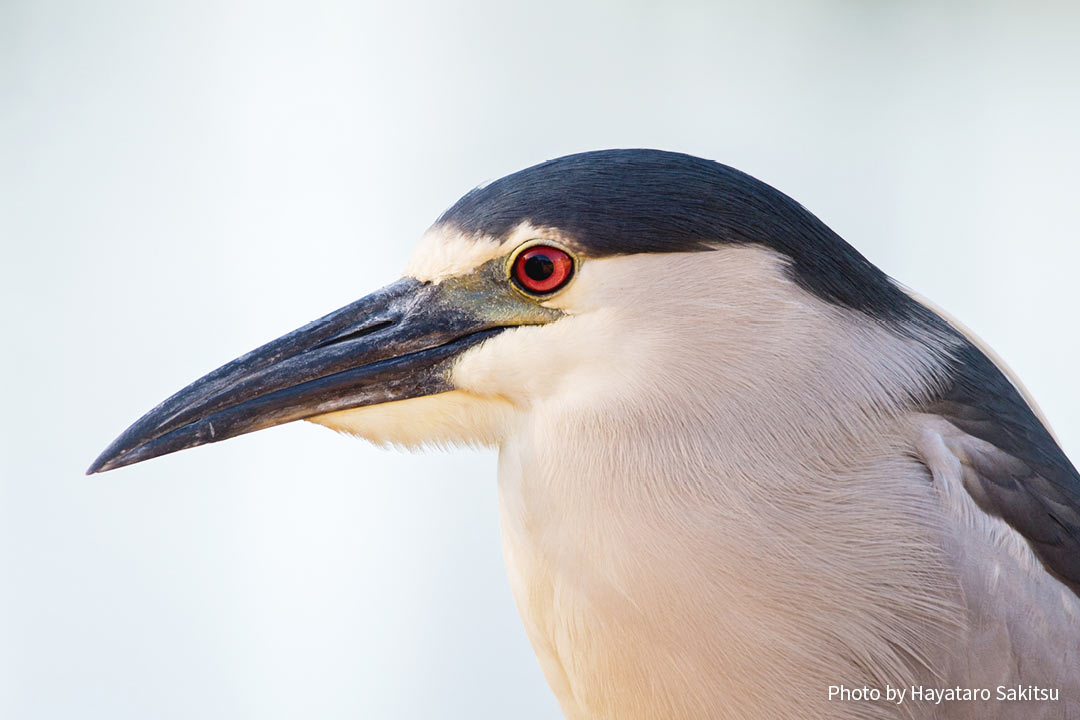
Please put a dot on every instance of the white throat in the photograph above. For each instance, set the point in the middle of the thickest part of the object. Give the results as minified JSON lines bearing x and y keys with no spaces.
{"x":632,"y":570}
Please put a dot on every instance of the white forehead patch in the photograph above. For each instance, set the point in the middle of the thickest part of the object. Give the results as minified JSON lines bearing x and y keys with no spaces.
{"x":444,"y":251}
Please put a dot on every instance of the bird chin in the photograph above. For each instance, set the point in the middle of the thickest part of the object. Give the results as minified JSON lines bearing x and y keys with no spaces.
{"x":455,"y":418}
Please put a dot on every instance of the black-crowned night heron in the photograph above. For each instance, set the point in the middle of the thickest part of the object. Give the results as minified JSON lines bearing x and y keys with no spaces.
{"x":741,"y":472}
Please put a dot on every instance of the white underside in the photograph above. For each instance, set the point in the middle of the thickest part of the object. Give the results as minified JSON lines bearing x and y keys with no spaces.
{"x":715,"y":612}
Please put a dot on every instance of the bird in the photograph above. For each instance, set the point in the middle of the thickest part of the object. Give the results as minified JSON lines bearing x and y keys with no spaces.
{"x":742,"y":472}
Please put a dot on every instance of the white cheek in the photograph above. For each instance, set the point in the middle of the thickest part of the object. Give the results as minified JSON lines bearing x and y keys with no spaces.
{"x":604,"y":343}
{"x":581,"y":355}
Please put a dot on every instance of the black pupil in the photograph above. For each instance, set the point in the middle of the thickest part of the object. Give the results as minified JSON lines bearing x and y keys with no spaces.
{"x":539,"y":267}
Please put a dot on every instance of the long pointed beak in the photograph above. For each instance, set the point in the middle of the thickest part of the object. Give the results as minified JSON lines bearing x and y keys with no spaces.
{"x":397,"y":343}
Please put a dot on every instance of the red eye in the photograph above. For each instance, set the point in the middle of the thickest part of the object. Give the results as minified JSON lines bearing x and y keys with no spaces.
{"x":542,"y":269}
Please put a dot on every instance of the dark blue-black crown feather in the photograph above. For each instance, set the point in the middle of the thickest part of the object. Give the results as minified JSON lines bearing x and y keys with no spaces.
{"x":617,"y":202}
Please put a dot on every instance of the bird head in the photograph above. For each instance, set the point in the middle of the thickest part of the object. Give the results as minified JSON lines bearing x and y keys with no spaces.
{"x":586,"y":280}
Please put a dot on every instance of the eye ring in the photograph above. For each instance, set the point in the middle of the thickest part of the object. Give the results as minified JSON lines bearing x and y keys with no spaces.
{"x":542,"y":269}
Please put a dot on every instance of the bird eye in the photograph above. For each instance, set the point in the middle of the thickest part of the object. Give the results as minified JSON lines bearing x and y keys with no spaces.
{"x":542,"y":269}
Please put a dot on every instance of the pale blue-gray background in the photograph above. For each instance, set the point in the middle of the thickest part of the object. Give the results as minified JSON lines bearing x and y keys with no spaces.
{"x":183,"y":181}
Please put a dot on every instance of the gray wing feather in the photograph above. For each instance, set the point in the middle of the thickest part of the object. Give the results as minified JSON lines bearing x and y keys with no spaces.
{"x":1018,"y":473}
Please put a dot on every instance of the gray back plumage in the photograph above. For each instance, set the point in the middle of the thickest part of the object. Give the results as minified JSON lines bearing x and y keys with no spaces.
{"x":1030,"y":484}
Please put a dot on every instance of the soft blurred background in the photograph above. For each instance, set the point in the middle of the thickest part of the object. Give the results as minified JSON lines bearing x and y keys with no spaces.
{"x":182,"y":181}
